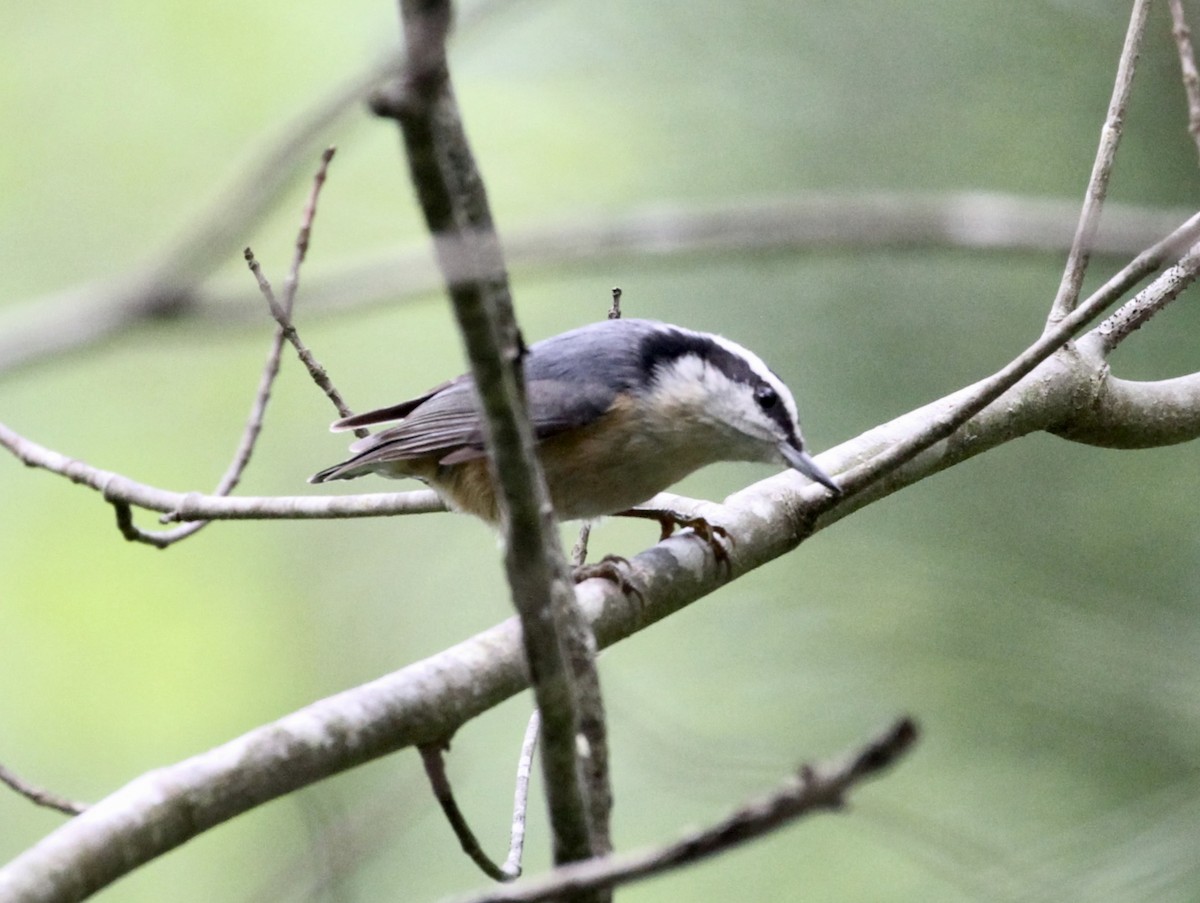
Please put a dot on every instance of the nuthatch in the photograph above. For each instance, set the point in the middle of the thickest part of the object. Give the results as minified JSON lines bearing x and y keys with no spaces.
{"x":621,"y":409}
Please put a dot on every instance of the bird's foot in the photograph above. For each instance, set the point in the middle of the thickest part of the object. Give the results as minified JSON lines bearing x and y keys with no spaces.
{"x":669,"y":520}
{"x":613,"y":568}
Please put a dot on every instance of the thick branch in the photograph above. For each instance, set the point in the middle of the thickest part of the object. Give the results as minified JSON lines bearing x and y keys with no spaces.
{"x":1133,"y":414}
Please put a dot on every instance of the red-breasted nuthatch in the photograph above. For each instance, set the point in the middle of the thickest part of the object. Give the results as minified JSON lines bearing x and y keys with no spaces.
{"x":621,"y":410}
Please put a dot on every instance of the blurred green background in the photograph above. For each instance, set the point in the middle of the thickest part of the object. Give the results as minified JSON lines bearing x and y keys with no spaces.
{"x":1035,"y":608}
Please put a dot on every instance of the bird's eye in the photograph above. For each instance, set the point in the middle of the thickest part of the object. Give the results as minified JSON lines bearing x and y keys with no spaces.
{"x":766,"y":397}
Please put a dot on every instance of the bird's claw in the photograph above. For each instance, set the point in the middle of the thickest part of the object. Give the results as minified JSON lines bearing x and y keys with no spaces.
{"x":716,"y":537}
{"x":613,"y":568}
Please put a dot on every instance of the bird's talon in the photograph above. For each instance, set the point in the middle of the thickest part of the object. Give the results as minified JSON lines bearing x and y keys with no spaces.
{"x":613,"y":568}
{"x":716,"y":537}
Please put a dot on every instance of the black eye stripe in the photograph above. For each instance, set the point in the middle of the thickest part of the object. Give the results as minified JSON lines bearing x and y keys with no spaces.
{"x":665,"y":346}
{"x":766,"y":397}
{"x":661,"y":347}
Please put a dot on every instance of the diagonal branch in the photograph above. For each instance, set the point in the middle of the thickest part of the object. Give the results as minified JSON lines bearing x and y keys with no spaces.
{"x":557,"y":643}
{"x":1106,"y":153}
{"x":39,"y":795}
{"x":1187,"y":67}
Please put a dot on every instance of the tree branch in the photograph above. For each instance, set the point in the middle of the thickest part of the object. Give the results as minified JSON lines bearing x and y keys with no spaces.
{"x":39,"y":795}
{"x":433,"y":698}
{"x":1106,"y":153}
{"x":432,"y":755}
{"x":189,"y":506}
{"x":557,"y":643}
{"x":1187,"y":67}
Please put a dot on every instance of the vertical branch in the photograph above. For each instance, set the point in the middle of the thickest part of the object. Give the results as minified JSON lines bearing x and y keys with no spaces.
{"x":1187,"y":67}
{"x":1093,"y":201}
{"x":559,"y":646}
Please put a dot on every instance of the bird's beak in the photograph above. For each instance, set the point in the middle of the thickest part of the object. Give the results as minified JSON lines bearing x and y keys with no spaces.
{"x":802,"y":461}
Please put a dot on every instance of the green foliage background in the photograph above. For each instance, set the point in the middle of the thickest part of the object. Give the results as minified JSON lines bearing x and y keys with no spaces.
{"x":1035,"y":608}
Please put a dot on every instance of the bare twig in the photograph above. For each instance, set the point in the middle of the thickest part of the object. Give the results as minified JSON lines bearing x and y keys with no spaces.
{"x":39,"y":795}
{"x":516,"y":846}
{"x":431,"y":756}
{"x":1093,"y":201}
{"x":435,"y":768}
{"x":287,"y":332}
{"x":180,"y":506}
{"x":241,"y":458}
{"x":614,"y":312}
{"x":579,"y":551}
{"x":1136,"y":312}
{"x":281,"y":311}
{"x":813,"y":789}
{"x":1187,"y":67}
{"x":305,"y":234}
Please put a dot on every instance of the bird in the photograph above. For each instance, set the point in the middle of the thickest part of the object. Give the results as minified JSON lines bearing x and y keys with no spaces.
{"x":621,"y":409}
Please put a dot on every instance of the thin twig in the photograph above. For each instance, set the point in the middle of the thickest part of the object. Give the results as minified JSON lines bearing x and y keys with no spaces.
{"x":579,"y":551}
{"x":161,"y":539}
{"x":1136,"y":312}
{"x":281,"y":311}
{"x":39,"y":795}
{"x":813,"y":789}
{"x":1187,"y":67}
{"x":189,"y":506}
{"x":516,"y":846}
{"x":305,"y":234}
{"x":287,"y":331}
{"x":435,"y":768}
{"x":614,"y":312}
{"x":1093,"y":201}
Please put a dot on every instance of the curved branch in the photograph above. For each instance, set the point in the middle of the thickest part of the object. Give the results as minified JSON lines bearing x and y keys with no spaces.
{"x":1134,"y":414}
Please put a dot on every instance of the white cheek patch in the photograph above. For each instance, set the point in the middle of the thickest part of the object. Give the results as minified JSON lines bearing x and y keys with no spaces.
{"x":684,"y":382}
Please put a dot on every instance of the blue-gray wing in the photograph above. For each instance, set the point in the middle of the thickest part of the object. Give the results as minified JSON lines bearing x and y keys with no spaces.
{"x":571,"y":380}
